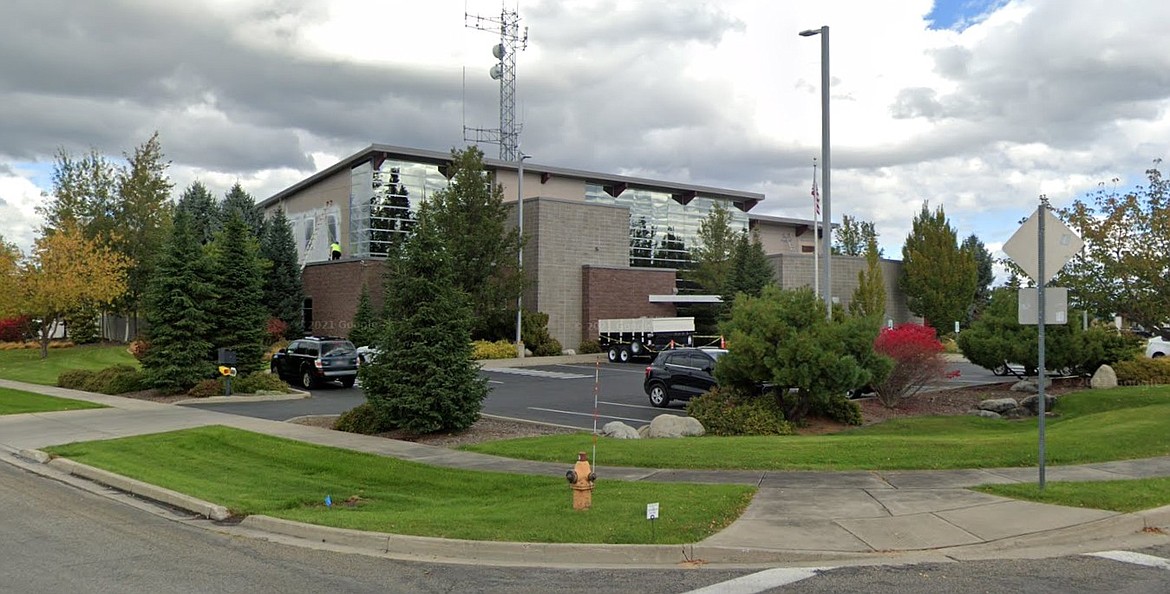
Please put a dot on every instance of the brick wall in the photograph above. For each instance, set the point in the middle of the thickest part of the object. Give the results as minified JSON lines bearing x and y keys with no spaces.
{"x":608,"y":293}
{"x":335,"y":287}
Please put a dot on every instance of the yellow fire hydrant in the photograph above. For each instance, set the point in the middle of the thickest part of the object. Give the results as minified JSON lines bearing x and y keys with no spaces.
{"x":581,"y":479}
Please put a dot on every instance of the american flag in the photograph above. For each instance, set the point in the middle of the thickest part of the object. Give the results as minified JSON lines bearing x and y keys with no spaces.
{"x":816,"y":198}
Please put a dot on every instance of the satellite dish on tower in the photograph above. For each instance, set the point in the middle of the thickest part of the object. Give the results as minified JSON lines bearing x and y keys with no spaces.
{"x":498,"y":51}
{"x":496,"y":72}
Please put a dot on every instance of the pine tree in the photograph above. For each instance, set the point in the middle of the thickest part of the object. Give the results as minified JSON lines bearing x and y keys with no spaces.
{"x":200,"y":206}
{"x":469,"y":215}
{"x":750,"y":269}
{"x":240,"y":317}
{"x":284,"y":292}
{"x":177,"y":308}
{"x":365,"y":323}
{"x":985,"y":276}
{"x":869,"y":299}
{"x":425,"y":379}
{"x":243,"y":204}
{"x":938,"y":276}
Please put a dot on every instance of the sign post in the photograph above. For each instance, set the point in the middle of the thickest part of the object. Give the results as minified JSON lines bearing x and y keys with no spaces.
{"x":1055,"y":250}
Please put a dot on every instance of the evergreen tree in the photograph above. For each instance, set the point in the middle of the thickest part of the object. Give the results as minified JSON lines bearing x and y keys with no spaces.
{"x":750,"y":269}
{"x":200,"y":206}
{"x":364,"y":330}
{"x":143,"y":214}
{"x":984,"y":275}
{"x":425,"y":379}
{"x":240,"y":202}
{"x":469,"y":215}
{"x":284,"y":292}
{"x":712,"y":256}
{"x":938,"y":276}
{"x":177,"y":308}
{"x":869,"y":299}
{"x":240,"y":317}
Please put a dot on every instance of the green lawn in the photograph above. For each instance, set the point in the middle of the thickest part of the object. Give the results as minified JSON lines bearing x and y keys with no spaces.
{"x":1120,"y":496}
{"x":15,"y":402}
{"x":259,"y":474}
{"x":26,"y":365}
{"x":1093,"y":426}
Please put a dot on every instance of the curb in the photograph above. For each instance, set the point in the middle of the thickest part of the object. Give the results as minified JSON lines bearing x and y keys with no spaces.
{"x":132,"y":486}
{"x":295,"y":395}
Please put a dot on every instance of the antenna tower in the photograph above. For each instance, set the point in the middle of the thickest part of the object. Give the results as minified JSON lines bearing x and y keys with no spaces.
{"x":511,"y":43}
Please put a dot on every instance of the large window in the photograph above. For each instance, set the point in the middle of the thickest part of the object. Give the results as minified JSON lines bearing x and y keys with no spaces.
{"x":384,"y":202}
{"x":662,"y":230}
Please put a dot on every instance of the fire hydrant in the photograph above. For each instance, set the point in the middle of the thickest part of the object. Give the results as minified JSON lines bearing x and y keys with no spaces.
{"x":581,"y":479}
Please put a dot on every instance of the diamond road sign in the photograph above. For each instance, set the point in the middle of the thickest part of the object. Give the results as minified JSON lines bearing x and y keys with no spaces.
{"x":1060,"y":245}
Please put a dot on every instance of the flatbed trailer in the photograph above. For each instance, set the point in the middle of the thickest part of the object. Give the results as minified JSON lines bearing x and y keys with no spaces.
{"x":626,"y":339}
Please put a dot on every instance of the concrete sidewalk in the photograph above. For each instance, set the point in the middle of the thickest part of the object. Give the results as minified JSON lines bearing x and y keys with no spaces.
{"x":795,"y":518}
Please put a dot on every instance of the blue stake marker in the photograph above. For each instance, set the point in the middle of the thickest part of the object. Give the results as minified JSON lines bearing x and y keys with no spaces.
{"x":328,"y":501}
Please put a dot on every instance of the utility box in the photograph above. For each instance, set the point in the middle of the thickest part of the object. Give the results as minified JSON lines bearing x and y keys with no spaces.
{"x":227,"y":357}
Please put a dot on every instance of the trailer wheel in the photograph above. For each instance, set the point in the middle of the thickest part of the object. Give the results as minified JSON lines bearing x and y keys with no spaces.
{"x":624,"y":355}
{"x":612,"y":353}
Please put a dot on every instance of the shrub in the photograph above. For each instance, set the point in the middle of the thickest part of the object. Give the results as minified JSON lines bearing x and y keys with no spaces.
{"x":917,"y":357}
{"x":534,"y":333}
{"x":364,"y":419}
{"x":207,"y":388}
{"x":1143,"y":372}
{"x":500,"y":349}
{"x":275,"y":329}
{"x":727,"y":412}
{"x":259,"y":382}
{"x":15,"y":329}
{"x":588,"y":347}
{"x":841,"y":409}
{"x":138,"y":348}
{"x":117,"y":379}
{"x":276,"y":346}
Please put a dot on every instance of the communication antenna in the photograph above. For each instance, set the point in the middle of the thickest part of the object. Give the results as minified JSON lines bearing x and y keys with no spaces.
{"x":504,"y":70}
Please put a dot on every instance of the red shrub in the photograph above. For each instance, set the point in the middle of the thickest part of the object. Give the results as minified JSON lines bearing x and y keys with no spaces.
{"x":15,"y":329}
{"x":276,"y":329}
{"x":917,"y":355}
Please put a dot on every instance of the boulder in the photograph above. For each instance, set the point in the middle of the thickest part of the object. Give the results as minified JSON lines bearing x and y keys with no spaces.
{"x":1032,"y":403}
{"x":644,"y":431}
{"x":569,"y":352}
{"x":985,"y":414}
{"x":1105,"y":377}
{"x":998,"y":405}
{"x":675,"y":426}
{"x":1018,"y":412}
{"x":1030,"y":386}
{"x":619,"y":430}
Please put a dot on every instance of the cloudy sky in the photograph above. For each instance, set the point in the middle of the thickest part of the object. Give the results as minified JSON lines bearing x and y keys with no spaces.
{"x":976,"y":105}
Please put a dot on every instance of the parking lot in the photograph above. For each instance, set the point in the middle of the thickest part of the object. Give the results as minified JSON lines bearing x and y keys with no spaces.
{"x":556,"y":394}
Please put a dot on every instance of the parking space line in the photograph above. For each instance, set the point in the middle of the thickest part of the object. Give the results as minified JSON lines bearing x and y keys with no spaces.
{"x":643,"y":406}
{"x":1133,"y":558}
{"x":639,"y":370}
{"x":580,"y":414}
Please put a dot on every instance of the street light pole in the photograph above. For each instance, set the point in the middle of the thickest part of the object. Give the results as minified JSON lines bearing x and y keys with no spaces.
{"x":826,"y":212}
{"x":520,"y":252}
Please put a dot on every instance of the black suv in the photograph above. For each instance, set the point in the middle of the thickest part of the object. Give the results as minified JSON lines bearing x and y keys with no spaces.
{"x":317,"y":359}
{"x":680,"y":374}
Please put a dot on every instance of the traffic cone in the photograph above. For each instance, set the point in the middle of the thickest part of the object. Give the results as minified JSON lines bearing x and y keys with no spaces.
{"x":722,"y":343}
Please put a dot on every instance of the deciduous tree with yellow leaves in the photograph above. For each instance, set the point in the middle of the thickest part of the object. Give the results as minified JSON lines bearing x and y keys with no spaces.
{"x":65,"y":272}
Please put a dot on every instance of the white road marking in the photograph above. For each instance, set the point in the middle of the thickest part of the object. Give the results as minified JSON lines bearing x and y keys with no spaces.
{"x":538,"y":373}
{"x":579,"y":414}
{"x":631,"y":405}
{"x":1134,"y":558}
{"x":637,"y":370}
{"x":761,"y":581}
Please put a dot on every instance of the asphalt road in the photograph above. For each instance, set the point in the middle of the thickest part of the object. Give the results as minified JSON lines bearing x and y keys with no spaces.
{"x":557,"y":394}
{"x":60,"y":538}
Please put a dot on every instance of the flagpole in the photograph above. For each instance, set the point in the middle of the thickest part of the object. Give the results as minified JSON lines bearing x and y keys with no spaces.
{"x":816,"y":233}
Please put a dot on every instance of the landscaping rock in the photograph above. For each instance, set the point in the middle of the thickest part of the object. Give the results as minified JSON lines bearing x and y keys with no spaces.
{"x":985,"y":414}
{"x":998,"y":405}
{"x":1032,"y":403}
{"x":1018,"y":412}
{"x":644,"y":431}
{"x":1104,"y":378}
{"x":619,"y":430}
{"x":675,"y":426}
{"x":1030,"y":386}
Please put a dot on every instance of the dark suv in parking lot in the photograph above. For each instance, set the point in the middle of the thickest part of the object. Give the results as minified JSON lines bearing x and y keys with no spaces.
{"x":680,"y":374}
{"x":316,"y":359}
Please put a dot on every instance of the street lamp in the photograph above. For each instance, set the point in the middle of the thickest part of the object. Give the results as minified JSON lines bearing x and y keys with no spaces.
{"x":520,"y":252}
{"x":826,"y":223}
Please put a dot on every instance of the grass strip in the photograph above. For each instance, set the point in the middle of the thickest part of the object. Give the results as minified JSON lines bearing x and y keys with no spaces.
{"x":250,"y":473}
{"x":1092,"y":426}
{"x":15,"y":402}
{"x":26,"y":365}
{"x":1121,"y":496}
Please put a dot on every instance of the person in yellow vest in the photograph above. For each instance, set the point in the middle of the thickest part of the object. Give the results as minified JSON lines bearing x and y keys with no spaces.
{"x":335,"y":248}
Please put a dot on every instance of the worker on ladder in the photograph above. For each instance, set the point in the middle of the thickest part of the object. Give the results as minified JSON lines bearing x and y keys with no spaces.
{"x":335,"y":250}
